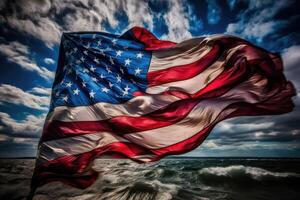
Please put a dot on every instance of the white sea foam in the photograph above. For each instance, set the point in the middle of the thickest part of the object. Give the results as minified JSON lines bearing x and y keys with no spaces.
{"x":236,"y":171}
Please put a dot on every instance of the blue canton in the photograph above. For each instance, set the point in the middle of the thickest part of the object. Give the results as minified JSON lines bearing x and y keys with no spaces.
{"x":98,"y":67}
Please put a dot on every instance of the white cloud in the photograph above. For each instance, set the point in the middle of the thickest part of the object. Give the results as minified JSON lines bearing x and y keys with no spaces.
{"x":257,"y":21}
{"x":41,"y":91}
{"x":177,"y":21}
{"x":15,"y":95}
{"x":49,"y":61}
{"x":39,"y":18}
{"x":18,"y":53}
{"x":232,"y":127}
{"x":291,"y":61}
{"x":31,"y":125}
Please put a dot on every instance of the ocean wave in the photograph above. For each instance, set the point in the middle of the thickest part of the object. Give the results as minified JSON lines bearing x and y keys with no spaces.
{"x":238,"y":171}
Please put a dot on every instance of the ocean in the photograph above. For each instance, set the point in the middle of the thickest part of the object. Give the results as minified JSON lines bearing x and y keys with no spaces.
{"x":168,"y":179}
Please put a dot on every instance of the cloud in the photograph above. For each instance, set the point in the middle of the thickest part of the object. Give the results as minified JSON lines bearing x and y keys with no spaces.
{"x":177,"y":21}
{"x":291,"y":61}
{"x":15,"y":95}
{"x":18,"y":53}
{"x":257,"y":21}
{"x":213,"y":12}
{"x":46,"y":20}
{"x":31,"y":126}
{"x":49,"y":61}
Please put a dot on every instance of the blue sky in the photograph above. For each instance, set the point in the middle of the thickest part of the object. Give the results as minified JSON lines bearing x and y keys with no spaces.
{"x":29,"y":41}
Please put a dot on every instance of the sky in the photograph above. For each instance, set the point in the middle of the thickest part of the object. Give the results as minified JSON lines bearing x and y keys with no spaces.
{"x":29,"y":41}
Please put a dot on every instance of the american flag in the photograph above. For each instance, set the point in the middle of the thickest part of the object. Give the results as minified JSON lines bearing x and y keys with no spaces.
{"x":134,"y":96}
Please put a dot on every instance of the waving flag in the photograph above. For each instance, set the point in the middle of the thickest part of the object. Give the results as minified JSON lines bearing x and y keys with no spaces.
{"x":134,"y":96}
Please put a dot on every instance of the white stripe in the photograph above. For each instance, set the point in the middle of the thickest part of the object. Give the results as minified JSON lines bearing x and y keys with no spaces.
{"x":193,"y":84}
{"x":137,"y":106}
{"x":183,"y":53}
{"x":199,"y":81}
{"x":200,"y":117}
{"x":76,"y":145}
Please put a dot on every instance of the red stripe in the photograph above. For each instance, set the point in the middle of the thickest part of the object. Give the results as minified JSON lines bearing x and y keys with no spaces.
{"x":75,"y":169}
{"x":150,"y":41}
{"x":70,"y":169}
{"x":121,"y":124}
{"x":183,"y":72}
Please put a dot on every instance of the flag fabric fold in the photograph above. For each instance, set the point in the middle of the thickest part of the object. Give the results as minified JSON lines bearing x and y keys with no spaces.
{"x":134,"y":96}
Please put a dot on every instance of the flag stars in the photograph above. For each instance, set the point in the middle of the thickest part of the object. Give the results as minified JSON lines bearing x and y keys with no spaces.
{"x":69,"y":84}
{"x":83,"y":84}
{"x":111,"y":60}
{"x":65,"y":98}
{"x":105,"y":89}
{"x":114,"y":41}
{"x":119,"y":53}
{"x":137,"y":71}
{"x":110,"y":84}
{"x":127,"y":61}
{"x":99,"y":43}
{"x":85,"y":52}
{"x":92,"y":94}
{"x":96,"y":60}
{"x":76,"y":92}
{"x":139,"y":55}
{"x":126,"y":89}
{"x":85,"y":70}
{"x":118,"y":78}
{"x":102,"y":76}
{"x":108,"y":70}
{"x":82,"y":59}
{"x":92,"y":68}
{"x":95,"y":79}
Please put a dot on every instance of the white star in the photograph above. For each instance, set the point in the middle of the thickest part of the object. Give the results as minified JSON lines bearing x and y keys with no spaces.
{"x":75,"y":50}
{"x":122,"y":70}
{"x":92,"y":94}
{"x":96,"y":60}
{"x":92,"y":68}
{"x":69,"y":84}
{"x":118,"y":78}
{"x":83,"y":84}
{"x":57,"y":93}
{"x":65,"y":98}
{"x":119,"y":53}
{"x":82,"y":59}
{"x":85,"y":52}
{"x":110,"y":84}
{"x":111,"y":60}
{"x":108,"y":69}
{"x":102,"y":76}
{"x":78,"y":61}
{"x":127,"y":61}
{"x":139,"y":55}
{"x":104,"y":89}
{"x":99,"y":43}
{"x":126,"y":89}
{"x":95,"y":79}
{"x":85,"y":70}
{"x":88,"y":45}
{"x":102,"y":52}
{"x":114,"y":41}
{"x":76,"y":91}
{"x":137,"y":71}
{"x":69,"y":71}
